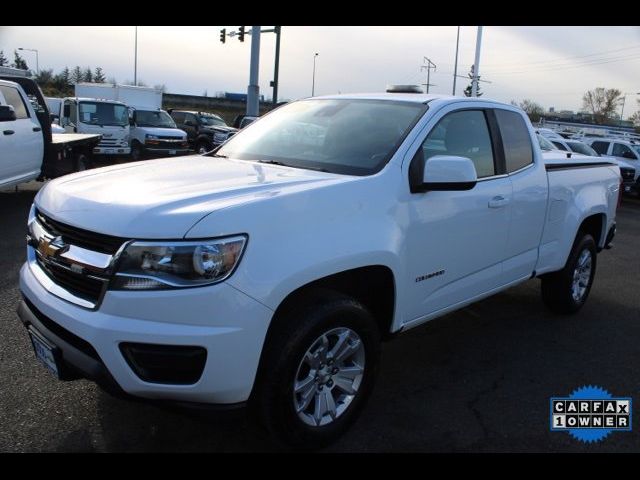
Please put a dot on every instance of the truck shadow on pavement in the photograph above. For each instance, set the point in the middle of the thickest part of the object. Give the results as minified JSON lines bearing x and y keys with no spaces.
{"x":476,"y":380}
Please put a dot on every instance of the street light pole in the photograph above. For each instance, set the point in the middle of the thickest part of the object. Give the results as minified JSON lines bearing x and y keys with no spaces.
{"x":313,"y":80}
{"x":135,"y":59}
{"x":37,"y":62}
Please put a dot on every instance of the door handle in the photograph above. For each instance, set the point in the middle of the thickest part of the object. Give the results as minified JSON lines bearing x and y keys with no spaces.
{"x":498,"y":201}
{"x":8,"y":132}
{"x":36,"y":129}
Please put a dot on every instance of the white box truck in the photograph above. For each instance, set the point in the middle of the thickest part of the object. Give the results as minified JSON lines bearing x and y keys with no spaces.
{"x":152,"y":130}
{"x":91,"y":112}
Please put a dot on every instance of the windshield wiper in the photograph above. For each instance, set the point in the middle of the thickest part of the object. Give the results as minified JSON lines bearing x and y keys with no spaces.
{"x":218,"y":155}
{"x":275,"y":162}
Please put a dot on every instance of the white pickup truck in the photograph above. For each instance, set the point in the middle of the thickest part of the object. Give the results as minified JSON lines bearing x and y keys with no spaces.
{"x":268,"y":272}
{"x":28,"y":148}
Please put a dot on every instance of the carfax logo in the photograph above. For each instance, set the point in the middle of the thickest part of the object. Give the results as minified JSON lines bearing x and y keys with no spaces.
{"x":590,"y":414}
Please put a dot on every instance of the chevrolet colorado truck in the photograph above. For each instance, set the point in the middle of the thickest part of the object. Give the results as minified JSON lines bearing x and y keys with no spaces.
{"x":267,"y":273}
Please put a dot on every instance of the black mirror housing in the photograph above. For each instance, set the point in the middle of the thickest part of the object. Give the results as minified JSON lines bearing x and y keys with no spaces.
{"x":7,"y":113}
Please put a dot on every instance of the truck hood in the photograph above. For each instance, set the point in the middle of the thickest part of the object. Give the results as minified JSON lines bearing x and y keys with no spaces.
{"x":163,"y":132}
{"x":164,"y":198}
{"x":220,"y":128}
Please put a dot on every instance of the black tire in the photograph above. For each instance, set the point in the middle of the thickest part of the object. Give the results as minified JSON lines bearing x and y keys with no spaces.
{"x":82,"y":162}
{"x":136,"y":151}
{"x":294,"y":333}
{"x":203,"y":147}
{"x":558,"y":287}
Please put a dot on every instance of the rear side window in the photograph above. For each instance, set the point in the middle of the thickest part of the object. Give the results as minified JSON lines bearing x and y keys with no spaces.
{"x":13,"y":98}
{"x":620,"y":150}
{"x":559,"y":145}
{"x":465,"y":134}
{"x":600,"y":147}
{"x":518,"y":152}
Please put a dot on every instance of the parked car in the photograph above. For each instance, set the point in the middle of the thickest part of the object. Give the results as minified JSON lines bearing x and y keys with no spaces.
{"x":154,"y":133}
{"x":622,"y":150}
{"x":270,"y":275}
{"x":28,"y":149}
{"x":242,"y":121}
{"x":627,"y":170}
{"x":548,"y":133}
{"x":205,"y":131}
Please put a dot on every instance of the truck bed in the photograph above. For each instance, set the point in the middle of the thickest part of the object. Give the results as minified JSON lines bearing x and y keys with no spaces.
{"x":65,"y":140}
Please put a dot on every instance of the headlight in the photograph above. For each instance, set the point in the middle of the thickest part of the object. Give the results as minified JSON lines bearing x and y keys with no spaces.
{"x":161,"y":265}
{"x":151,"y":137}
{"x":219,"y":137}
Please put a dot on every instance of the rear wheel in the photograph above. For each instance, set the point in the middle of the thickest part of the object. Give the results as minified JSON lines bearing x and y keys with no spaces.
{"x":318,"y":370}
{"x":82,"y":162}
{"x":566,"y":291}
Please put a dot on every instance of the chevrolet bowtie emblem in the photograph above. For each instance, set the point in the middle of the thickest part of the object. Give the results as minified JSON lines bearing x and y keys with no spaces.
{"x":52,"y":248}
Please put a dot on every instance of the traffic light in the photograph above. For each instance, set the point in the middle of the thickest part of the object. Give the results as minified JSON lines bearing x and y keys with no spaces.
{"x":223,"y":35}
{"x":241,"y":33}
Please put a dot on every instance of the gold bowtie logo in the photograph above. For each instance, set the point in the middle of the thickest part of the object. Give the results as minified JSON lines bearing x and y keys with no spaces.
{"x":52,"y":248}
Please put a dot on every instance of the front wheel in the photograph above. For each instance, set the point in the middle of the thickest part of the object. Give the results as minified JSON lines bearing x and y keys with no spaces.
{"x":203,"y":147}
{"x":318,"y":370}
{"x":566,"y":291}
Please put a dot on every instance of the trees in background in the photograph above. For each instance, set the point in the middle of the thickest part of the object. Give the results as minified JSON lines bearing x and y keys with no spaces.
{"x":534,"y":110}
{"x":602,"y":103}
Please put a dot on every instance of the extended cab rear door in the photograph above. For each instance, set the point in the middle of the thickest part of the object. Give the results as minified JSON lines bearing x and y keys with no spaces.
{"x":524,"y":165}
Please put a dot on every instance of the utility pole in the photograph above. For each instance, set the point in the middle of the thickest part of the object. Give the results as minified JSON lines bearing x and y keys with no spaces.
{"x":277,"y":65}
{"x":624,"y":98}
{"x":476,"y":70}
{"x":253,"y":91}
{"x":313,"y":78}
{"x":455,"y":67}
{"x":429,"y":65}
{"x":135,"y":60}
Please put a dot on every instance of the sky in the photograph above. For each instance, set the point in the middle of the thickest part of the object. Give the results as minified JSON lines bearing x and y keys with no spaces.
{"x":553,"y":66}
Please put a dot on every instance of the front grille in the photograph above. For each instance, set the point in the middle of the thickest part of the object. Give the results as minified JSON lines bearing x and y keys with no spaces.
{"x":79,"y":285}
{"x":98,"y":242}
{"x":169,"y":145}
{"x":109,"y":142}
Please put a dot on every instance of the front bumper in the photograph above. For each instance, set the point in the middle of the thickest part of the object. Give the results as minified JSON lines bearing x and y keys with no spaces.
{"x":228,"y":324}
{"x":111,"y":150}
{"x":166,"y":150}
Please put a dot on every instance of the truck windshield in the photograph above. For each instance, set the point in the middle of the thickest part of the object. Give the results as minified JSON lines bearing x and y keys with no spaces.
{"x":346,"y":136}
{"x":212,"y":121}
{"x":103,"y":114}
{"x":160,"y":119}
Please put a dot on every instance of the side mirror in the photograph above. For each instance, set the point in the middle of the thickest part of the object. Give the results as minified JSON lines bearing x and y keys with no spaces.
{"x":7,"y":113}
{"x":628,"y":154}
{"x":444,"y":173}
{"x":66,"y":111}
{"x":190,"y":123}
{"x":132,"y":121}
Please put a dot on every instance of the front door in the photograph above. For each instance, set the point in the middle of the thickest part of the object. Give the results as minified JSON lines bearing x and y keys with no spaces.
{"x":457,"y":239}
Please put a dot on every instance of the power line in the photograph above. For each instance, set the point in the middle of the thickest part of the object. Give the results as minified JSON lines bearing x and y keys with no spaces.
{"x":553,"y":68}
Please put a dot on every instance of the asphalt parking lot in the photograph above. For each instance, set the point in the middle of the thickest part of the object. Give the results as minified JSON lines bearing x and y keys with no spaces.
{"x":476,"y":380}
